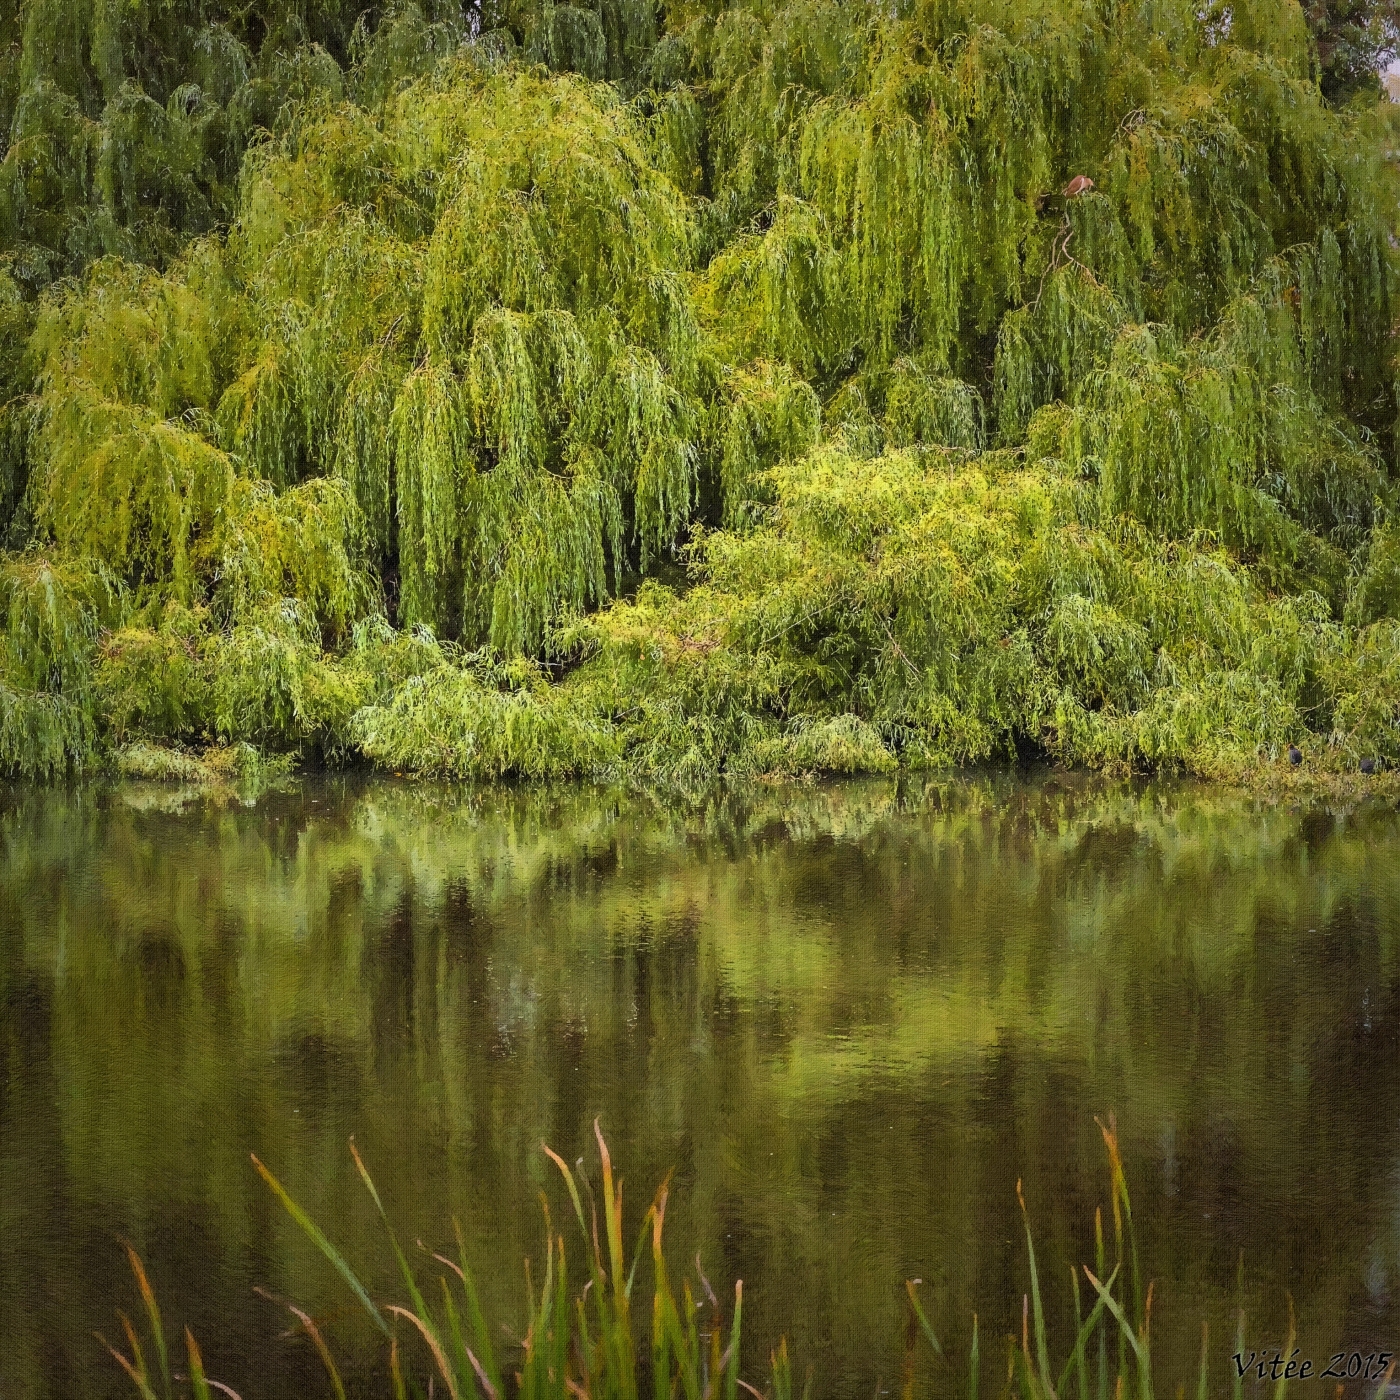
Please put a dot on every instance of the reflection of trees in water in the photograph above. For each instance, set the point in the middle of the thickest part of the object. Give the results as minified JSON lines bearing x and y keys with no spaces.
{"x":849,"y":1017}
{"x":389,"y":964}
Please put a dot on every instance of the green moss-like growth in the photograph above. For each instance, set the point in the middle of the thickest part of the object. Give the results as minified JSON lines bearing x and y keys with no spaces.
{"x":554,"y":390}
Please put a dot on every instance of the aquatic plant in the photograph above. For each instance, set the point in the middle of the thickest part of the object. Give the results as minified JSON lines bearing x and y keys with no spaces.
{"x":583,"y":1343}
{"x":572,"y":1343}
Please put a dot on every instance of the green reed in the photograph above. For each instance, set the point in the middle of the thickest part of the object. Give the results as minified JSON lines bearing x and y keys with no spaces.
{"x":581,"y":1345}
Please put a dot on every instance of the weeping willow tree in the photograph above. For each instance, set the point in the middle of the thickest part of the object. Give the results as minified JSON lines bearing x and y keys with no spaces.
{"x":727,"y":388}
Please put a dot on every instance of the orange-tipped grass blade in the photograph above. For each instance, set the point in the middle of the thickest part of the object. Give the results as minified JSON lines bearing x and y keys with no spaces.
{"x":561,"y":1308}
{"x":134,"y":1368}
{"x":199,"y":1384}
{"x":782,"y":1371}
{"x":1120,"y":1193}
{"x":134,"y":1342}
{"x":612,"y":1209}
{"x":322,"y":1350}
{"x":648,"y":1227}
{"x":569,"y":1180}
{"x":669,"y":1337}
{"x":148,"y":1298}
{"x":433,"y":1346}
{"x":731,"y":1369}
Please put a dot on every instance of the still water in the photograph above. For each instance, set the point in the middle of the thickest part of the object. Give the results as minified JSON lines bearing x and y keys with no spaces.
{"x":849,"y":1017}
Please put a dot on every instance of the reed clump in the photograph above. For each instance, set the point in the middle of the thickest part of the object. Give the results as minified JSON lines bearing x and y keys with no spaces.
{"x":595,"y":1340}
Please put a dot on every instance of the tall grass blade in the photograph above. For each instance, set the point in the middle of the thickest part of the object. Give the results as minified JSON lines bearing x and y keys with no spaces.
{"x":1084,"y":1332}
{"x":198,"y":1382}
{"x":1202,"y":1389}
{"x":1120,"y":1194}
{"x":973,"y":1379}
{"x":917,"y":1310}
{"x":612,"y":1210}
{"x":134,"y":1368}
{"x":413,"y":1293}
{"x":667,"y":1338}
{"x":1076,"y":1361}
{"x":319,"y":1342}
{"x":396,"y":1371}
{"x":731,"y":1369}
{"x":559,"y":1337}
{"x":324,"y":1245}
{"x":464,"y":1356}
{"x":1103,"y":1331}
{"x":477,"y":1318}
{"x":1042,"y":1353}
{"x":1022,"y":1364}
{"x":148,"y":1298}
{"x":584,"y":1343}
{"x":134,"y":1342}
{"x":641,"y":1241}
{"x":782,"y":1372}
{"x":1125,"y":1330}
{"x":434,"y":1346}
{"x":568,"y":1176}
{"x":1144,"y":1355}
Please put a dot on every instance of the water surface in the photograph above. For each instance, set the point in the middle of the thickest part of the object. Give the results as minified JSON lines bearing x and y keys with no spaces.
{"x":849,"y":1017}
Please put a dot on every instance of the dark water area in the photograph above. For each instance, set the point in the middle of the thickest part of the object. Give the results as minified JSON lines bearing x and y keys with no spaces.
{"x":848,"y":1017}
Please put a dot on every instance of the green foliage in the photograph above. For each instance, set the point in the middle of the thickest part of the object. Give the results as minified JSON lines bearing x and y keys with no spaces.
{"x":1007,"y":376}
{"x":149,"y":680}
{"x":484,"y":720}
{"x":768,"y":416}
{"x":52,"y":614}
{"x":299,"y":543}
{"x":954,"y":609}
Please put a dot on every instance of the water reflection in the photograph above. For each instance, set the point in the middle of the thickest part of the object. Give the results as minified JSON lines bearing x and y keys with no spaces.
{"x":849,"y":1017}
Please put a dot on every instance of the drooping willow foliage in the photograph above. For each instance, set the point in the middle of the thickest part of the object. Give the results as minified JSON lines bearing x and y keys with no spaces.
{"x":713,"y":388}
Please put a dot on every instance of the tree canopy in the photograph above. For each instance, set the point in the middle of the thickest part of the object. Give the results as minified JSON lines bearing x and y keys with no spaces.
{"x":545,"y":389}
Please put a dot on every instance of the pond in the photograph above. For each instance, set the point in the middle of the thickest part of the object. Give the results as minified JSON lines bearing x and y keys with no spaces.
{"x":849,"y":1017}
